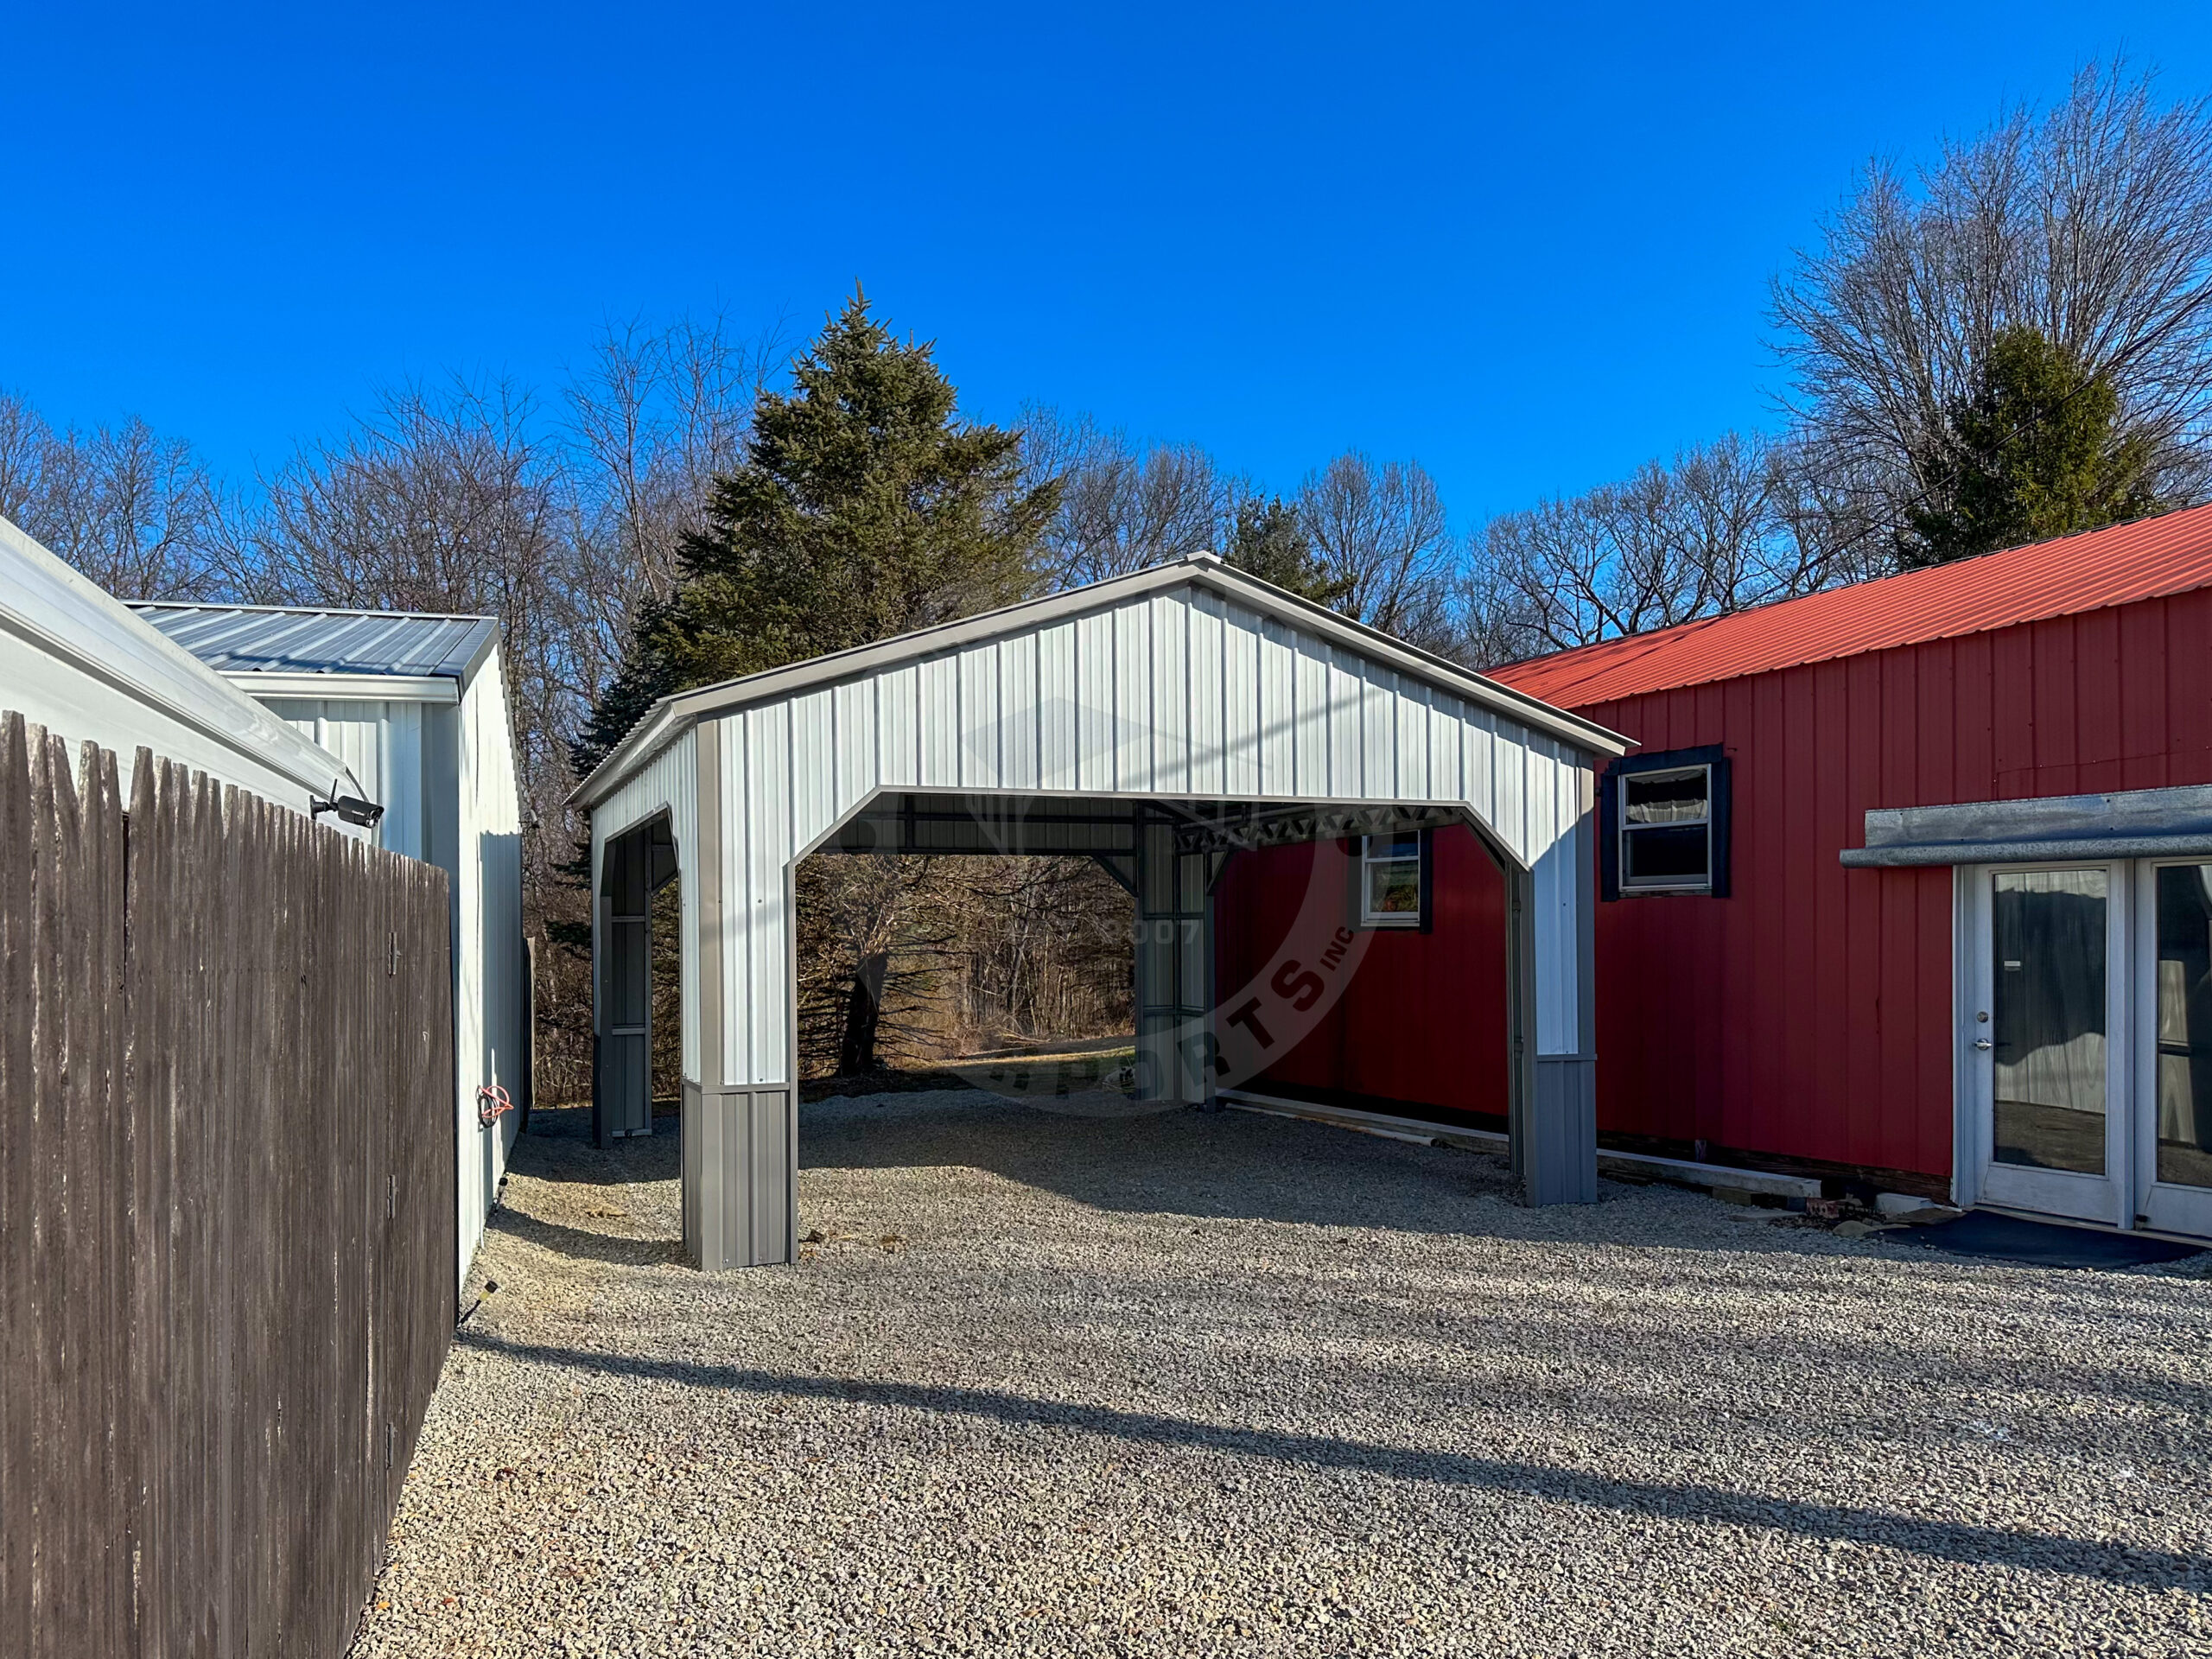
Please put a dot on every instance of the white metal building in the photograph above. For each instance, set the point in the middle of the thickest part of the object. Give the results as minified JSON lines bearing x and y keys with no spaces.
{"x":78,"y":662}
{"x":1149,"y":720}
{"x":415,"y":707}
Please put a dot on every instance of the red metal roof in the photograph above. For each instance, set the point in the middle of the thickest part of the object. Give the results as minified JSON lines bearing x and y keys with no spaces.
{"x":2171,"y":554}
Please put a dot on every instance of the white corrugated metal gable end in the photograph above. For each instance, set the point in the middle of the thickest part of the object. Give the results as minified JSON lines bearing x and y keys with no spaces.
{"x":1186,"y":681}
{"x":1259,"y":604}
{"x":278,"y":639}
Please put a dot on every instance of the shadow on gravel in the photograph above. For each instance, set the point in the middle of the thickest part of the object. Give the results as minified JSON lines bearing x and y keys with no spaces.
{"x":1949,"y":1540}
{"x":558,"y":1149}
{"x":595,"y":1247}
{"x":1209,"y":1166}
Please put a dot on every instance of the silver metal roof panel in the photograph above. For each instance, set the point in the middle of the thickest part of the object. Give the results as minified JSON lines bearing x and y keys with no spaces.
{"x":280,"y":640}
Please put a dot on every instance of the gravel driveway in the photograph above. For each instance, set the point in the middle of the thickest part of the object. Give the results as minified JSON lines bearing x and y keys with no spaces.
{"x":1193,"y":1384}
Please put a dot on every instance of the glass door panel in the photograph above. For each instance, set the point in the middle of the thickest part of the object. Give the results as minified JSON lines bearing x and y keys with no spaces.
{"x":2047,"y":1080}
{"x":2178,"y":1107}
{"x":2048,"y":1018}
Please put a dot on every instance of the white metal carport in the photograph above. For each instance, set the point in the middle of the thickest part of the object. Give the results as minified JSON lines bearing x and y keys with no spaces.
{"x":1188,"y":694}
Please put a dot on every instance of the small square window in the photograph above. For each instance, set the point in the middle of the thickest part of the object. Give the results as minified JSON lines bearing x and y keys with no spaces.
{"x":1666,"y":830}
{"x":1390,"y":881}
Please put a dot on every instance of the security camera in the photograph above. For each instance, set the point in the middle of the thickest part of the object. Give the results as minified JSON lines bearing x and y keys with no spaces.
{"x":351,"y":808}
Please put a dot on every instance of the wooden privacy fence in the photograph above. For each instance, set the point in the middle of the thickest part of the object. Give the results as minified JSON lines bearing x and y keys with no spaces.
{"x":226,"y":1209}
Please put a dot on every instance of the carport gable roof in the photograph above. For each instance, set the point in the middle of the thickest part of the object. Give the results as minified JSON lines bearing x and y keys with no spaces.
{"x":669,"y":717}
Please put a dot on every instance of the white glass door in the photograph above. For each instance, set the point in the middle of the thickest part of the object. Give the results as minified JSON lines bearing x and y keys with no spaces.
{"x":2047,"y":1035}
{"x":2173,"y":1115}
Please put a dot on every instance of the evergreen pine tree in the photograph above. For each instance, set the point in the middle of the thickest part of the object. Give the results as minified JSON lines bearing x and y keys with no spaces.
{"x":1267,"y":541}
{"x":2037,"y":451}
{"x":864,"y":508}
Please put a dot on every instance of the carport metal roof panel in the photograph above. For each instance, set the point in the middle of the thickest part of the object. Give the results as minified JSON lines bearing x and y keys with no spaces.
{"x":672,"y":715}
{"x":250,"y":639}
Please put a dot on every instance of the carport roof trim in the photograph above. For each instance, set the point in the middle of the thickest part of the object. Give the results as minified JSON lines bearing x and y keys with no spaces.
{"x":668,"y":718}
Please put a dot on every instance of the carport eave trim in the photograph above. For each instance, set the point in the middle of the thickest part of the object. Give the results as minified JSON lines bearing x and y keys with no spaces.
{"x":670,"y":716}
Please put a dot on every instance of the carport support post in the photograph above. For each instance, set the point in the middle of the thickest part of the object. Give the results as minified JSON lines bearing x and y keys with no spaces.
{"x":1554,"y":1097}
{"x":740,"y":1139}
{"x":1173,"y":965}
{"x":621,"y":1101}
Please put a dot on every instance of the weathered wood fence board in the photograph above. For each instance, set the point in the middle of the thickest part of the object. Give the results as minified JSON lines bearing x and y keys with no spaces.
{"x":226,"y":1217}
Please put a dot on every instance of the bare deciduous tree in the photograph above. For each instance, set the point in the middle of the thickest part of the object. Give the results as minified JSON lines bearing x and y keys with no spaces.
{"x":1123,"y":505}
{"x":136,"y":512}
{"x":2091,"y":223}
{"x":653,"y":418}
{"x":1381,"y":531}
{"x":1738,"y":523}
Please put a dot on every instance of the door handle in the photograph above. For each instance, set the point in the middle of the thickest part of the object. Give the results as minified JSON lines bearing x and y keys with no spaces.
{"x":1983,"y":1042}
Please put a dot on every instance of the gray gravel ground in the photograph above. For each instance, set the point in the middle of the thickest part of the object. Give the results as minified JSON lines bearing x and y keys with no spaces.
{"x":1193,"y":1384}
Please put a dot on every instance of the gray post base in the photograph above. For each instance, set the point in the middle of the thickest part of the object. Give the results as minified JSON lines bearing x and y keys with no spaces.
{"x":740,"y":1176}
{"x":1555,"y":1139}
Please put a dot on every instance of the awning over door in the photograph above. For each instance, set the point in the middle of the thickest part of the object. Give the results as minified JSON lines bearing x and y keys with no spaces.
{"x":2128,"y":823}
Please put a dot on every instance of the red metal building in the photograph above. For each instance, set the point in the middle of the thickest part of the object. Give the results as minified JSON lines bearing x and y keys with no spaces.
{"x":1908,"y":883}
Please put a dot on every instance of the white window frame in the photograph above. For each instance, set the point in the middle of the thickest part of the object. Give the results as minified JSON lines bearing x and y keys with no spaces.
{"x":1369,"y":917}
{"x":1622,"y":830}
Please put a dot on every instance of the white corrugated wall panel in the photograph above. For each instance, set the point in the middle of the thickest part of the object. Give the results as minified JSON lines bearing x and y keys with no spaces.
{"x":1210,"y":694}
{"x":938,"y":719}
{"x":491,"y":964}
{"x":734,"y":880}
{"x":1446,"y":716}
{"x":1094,"y":697}
{"x":898,"y":706}
{"x":382,"y":743}
{"x":1169,"y":692}
{"x":855,"y":767}
{"x":766,"y":898}
{"x":1023,"y":738}
{"x":1277,"y":660}
{"x":1478,"y":764}
{"x":1059,"y":732}
{"x":1132,"y":682}
{"x":1409,"y":750}
{"x":813,"y":784}
{"x":978,"y":758}
{"x":1309,"y":700}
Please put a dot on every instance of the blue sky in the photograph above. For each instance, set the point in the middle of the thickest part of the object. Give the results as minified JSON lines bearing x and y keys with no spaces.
{"x":1528,"y":246}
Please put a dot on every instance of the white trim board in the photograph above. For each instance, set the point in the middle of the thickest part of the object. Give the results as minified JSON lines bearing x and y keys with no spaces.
{"x":347,"y":688}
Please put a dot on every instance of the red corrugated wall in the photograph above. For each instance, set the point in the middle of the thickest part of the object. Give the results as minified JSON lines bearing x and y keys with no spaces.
{"x":1808,"y":1014}
{"x":1423,"y":1017}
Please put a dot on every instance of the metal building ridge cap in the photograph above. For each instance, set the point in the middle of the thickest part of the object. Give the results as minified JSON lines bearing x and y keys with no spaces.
{"x":668,"y":718}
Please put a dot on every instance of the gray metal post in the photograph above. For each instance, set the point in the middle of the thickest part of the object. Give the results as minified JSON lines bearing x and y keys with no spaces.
{"x":1173,"y":956}
{"x":1553,"y":1098}
{"x":740,"y":1139}
{"x":1555,"y":1139}
{"x":622,"y":1083}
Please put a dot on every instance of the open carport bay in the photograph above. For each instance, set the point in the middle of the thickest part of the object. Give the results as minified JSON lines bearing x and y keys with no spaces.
{"x":1194,"y":1383}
